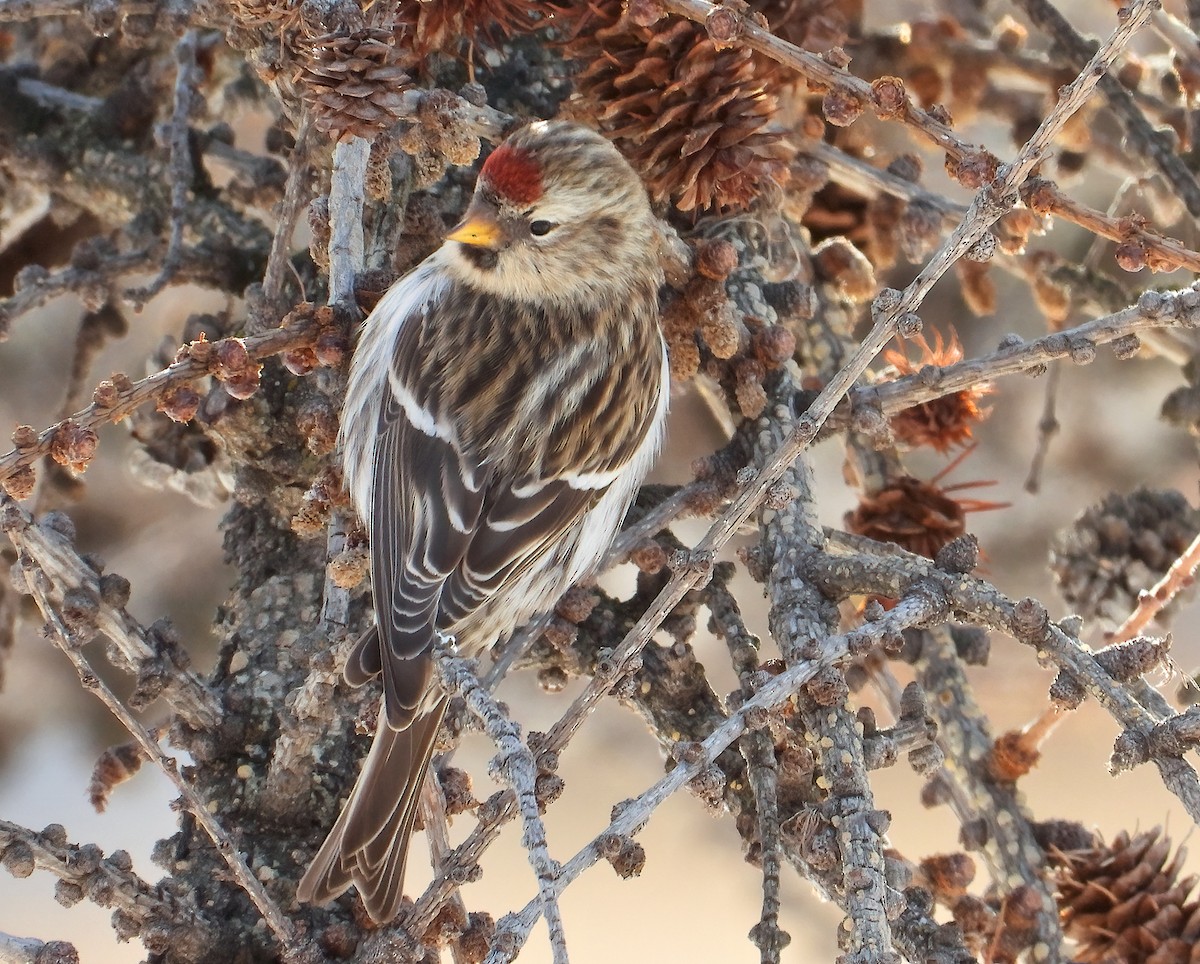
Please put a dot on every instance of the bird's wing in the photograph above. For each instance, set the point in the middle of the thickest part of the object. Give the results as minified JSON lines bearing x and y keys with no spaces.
{"x":426,"y":503}
{"x":454,"y":526}
{"x":518,"y":527}
{"x":447,"y":536}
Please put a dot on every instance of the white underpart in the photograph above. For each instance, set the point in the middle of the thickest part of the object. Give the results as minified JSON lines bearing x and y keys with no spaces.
{"x":370,"y":374}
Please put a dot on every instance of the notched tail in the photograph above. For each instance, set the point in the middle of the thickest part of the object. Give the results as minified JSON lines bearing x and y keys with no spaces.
{"x":368,"y":846}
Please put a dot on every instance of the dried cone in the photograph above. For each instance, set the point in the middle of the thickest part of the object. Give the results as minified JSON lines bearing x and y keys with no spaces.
{"x":1125,"y":902}
{"x":353,"y":82}
{"x":260,"y":13}
{"x":1120,"y":547}
{"x":914,"y":514}
{"x":19,"y":483}
{"x":444,"y":26}
{"x":918,"y":516}
{"x":693,"y":118}
{"x":945,"y":422}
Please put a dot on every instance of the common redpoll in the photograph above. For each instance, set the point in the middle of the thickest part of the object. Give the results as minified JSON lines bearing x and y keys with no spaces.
{"x":505,"y":401}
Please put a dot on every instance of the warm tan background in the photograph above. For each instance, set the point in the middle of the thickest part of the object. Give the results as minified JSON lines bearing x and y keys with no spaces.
{"x":697,"y":898}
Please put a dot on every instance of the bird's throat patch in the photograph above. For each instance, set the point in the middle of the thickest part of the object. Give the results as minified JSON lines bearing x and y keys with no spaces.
{"x":482,"y":258}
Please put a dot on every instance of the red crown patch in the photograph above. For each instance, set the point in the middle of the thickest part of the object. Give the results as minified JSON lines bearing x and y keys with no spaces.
{"x":513,"y":173}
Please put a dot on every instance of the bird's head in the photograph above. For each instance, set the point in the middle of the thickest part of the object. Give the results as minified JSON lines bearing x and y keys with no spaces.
{"x":557,"y":213}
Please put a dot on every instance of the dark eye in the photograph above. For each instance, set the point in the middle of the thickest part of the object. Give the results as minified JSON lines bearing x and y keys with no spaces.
{"x":541,"y":228}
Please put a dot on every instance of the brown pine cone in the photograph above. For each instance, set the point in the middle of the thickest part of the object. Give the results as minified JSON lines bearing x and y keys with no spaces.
{"x":694,"y":118}
{"x":447,"y":26}
{"x":354,"y":81}
{"x":1124,"y":903}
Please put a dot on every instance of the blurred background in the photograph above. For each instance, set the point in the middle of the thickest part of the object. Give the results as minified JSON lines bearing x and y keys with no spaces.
{"x":1112,"y":439}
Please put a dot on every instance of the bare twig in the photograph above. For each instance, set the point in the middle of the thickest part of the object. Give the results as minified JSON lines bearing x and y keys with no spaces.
{"x":870,"y":181}
{"x":801,"y":620}
{"x":191,"y":366}
{"x":151,"y":657}
{"x":433,"y":815}
{"x":60,"y":97}
{"x":1048,"y":426}
{"x":345,"y":218}
{"x":493,"y":814}
{"x":95,"y":329}
{"x":921,"y":606}
{"x":84,"y":871}
{"x":36,"y":288}
{"x":1156,"y":249}
{"x":976,"y":601}
{"x":764,"y":779}
{"x":1144,"y":139}
{"x":515,"y":765}
{"x":345,"y":262}
{"x":1016,"y":355}
{"x":759,"y":752}
{"x":1151,"y":601}
{"x":8,"y":623}
{"x":758,"y":749}
{"x":657,"y":519}
{"x":814,"y":68}
{"x":1008,"y":843}
{"x":295,"y":196}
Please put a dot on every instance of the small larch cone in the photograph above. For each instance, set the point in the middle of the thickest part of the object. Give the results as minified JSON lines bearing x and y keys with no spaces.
{"x":694,"y":118}
{"x":1125,"y":903}
{"x":354,"y":81}
{"x":916,"y":515}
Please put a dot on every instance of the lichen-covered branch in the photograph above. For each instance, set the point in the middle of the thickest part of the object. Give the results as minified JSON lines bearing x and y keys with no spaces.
{"x":514,"y":763}
{"x":923,"y":605}
{"x":1025,"y":620}
{"x":152,"y":912}
{"x":94,"y":602}
{"x":65,"y":629}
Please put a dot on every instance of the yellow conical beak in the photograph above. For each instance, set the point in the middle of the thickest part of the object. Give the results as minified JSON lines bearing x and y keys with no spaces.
{"x":479,"y":227}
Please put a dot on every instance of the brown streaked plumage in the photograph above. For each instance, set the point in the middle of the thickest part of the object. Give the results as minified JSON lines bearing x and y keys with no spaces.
{"x":505,"y":400}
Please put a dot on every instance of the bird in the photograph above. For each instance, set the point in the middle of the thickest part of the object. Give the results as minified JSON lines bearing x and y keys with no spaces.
{"x":504,"y":402}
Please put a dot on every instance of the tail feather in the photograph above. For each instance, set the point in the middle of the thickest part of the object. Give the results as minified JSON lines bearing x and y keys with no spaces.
{"x":368,"y":846}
